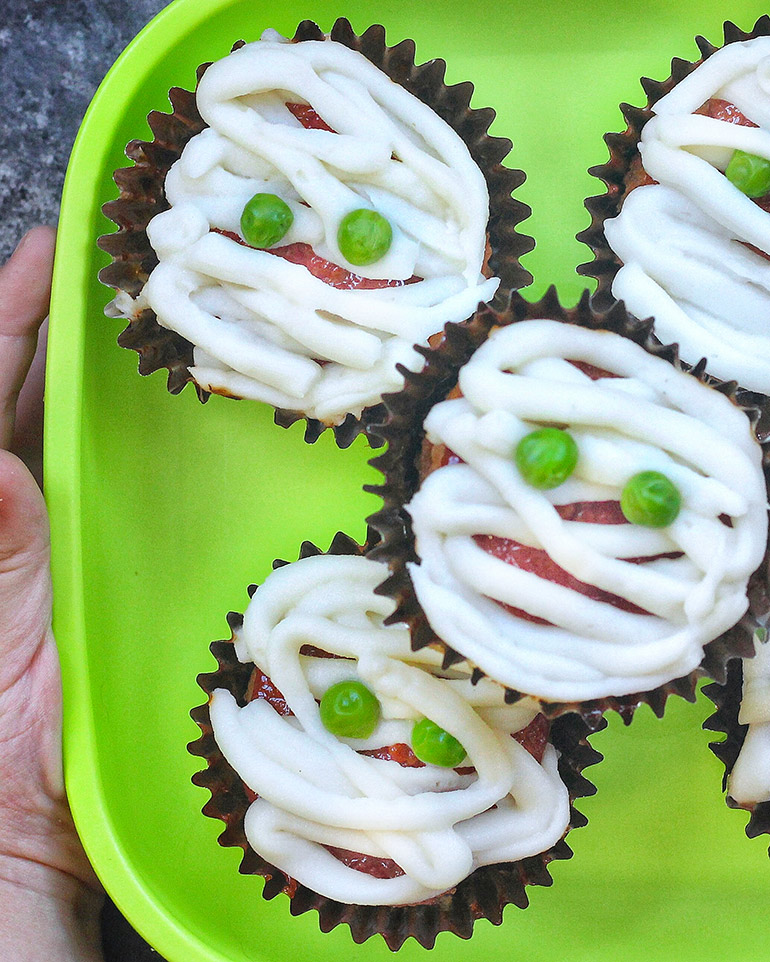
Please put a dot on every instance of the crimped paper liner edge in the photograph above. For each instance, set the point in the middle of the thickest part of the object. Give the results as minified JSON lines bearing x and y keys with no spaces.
{"x":727,"y":700}
{"x":141,"y":192}
{"x":484,"y":894}
{"x":623,"y":147}
{"x":399,"y":465}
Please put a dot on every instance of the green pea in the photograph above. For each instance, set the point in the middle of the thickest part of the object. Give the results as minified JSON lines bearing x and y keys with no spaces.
{"x":547,"y":457}
{"x":350,"y":710}
{"x":435,"y":746}
{"x":650,"y":499}
{"x":364,"y":236}
{"x":265,"y":220}
{"x":749,"y":173}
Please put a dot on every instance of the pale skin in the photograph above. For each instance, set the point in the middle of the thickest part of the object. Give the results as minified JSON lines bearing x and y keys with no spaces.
{"x":49,"y":896}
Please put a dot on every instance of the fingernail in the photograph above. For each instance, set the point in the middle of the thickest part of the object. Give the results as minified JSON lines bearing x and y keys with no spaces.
{"x":25,"y":239}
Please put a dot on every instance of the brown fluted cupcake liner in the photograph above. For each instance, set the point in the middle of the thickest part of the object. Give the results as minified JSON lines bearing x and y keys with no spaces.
{"x":625,"y":161}
{"x":142,"y":196}
{"x":484,"y":894}
{"x":401,"y":467}
{"x":727,"y":699}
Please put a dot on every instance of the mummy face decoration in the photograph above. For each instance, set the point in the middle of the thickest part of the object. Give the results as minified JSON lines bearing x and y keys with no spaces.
{"x":695,"y":240}
{"x":327,"y":803}
{"x":354,"y":167}
{"x":553,"y":592}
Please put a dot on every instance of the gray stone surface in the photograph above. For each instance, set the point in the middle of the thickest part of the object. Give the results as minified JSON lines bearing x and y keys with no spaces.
{"x":53,"y":54}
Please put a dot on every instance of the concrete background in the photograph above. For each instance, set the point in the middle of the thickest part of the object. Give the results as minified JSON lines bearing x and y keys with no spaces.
{"x":53,"y":55}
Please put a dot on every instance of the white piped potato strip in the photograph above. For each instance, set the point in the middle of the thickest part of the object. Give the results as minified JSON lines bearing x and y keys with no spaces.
{"x":749,"y":780}
{"x":260,"y":324}
{"x":651,"y":417}
{"x":682,"y":240}
{"x":315,"y":789}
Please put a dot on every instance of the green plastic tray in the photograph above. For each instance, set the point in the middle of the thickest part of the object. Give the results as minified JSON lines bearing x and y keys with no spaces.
{"x":163,"y":511}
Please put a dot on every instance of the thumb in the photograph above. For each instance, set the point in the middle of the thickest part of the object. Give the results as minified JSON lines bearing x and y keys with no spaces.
{"x":25,"y":286}
{"x":35,"y":823}
{"x":25,"y":586}
{"x":30,"y":684}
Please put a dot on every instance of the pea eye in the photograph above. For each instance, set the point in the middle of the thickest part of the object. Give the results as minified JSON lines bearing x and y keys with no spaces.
{"x":350,"y":710}
{"x":435,"y":746}
{"x":547,"y":457}
{"x":265,"y":220}
{"x":364,"y":236}
{"x":749,"y":173}
{"x":650,"y":499}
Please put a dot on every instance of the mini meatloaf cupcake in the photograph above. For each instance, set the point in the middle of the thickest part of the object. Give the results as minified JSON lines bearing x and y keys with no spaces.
{"x":586,"y":516}
{"x":743,"y":714}
{"x":372,"y":777}
{"x":687,"y":215}
{"x":750,"y":778}
{"x":323,"y":221}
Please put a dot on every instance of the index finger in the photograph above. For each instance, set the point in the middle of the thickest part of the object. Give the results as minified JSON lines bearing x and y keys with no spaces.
{"x":25,"y":291}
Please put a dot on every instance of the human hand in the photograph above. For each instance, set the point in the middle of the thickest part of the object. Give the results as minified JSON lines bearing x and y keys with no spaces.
{"x":49,"y":896}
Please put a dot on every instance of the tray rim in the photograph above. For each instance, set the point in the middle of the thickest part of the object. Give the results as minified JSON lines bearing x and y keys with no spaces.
{"x":62,"y":451}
